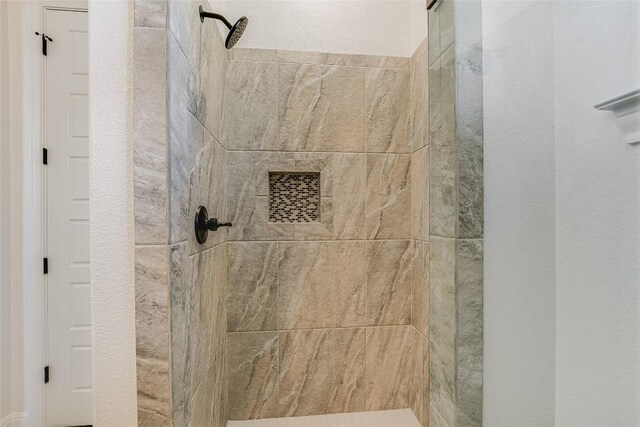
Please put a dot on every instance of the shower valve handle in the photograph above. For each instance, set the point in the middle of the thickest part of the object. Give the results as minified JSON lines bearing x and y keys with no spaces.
{"x":203,"y":224}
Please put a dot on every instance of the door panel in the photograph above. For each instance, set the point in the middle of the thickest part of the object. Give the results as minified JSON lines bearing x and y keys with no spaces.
{"x":69,"y":391}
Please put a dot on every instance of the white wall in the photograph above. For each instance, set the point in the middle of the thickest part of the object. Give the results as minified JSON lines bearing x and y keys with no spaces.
{"x":597,"y":53}
{"x":562,"y":260}
{"x":371,"y":27}
{"x":111,"y":210}
{"x":519,"y":263}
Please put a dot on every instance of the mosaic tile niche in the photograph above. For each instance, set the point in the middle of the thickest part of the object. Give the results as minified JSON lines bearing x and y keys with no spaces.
{"x":294,"y":197}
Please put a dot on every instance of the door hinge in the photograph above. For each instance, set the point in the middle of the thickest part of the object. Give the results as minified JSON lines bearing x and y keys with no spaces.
{"x":46,"y":374}
{"x":44,"y":156}
{"x":45,"y":40}
{"x":45,"y":265}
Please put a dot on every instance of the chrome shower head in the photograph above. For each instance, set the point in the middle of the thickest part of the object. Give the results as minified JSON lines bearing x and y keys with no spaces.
{"x":235,"y":31}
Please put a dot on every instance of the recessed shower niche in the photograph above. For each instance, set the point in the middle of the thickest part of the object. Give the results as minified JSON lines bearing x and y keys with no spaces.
{"x":294,"y":197}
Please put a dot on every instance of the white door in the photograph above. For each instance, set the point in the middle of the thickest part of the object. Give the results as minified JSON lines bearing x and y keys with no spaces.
{"x":69,"y":390}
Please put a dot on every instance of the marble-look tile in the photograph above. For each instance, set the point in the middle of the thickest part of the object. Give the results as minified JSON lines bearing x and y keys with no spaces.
{"x":152,"y":335}
{"x":420,"y":194}
{"x":469,"y":352}
{"x":209,"y":276}
{"x":251,"y":106}
{"x":150,"y":13}
{"x":252,"y":286}
{"x":420,"y":286}
{"x":212,"y":66}
{"x":442,"y":327}
{"x":321,"y":284}
{"x":446,"y":12}
{"x":184,"y":145}
{"x":389,"y":282}
{"x":423,"y":416}
{"x":349,"y":60}
{"x":342,"y":184}
{"x":418,"y":377}
{"x":435,"y":101}
{"x":198,"y":328}
{"x":386,"y":101}
{"x":248,"y":54}
{"x":418,"y":106}
{"x":469,"y":131}
{"x":245,"y":172}
{"x":185,"y":29}
{"x":322,"y":371}
{"x":443,"y":163}
{"x":434,"y":35}
{"x":391,"y":356}
{"x":150,"y":136}
{"x":208,"y":187}
{"x":182,"y":338}
{"x":435,"y":419}
{"x":321,"y":108}
{"x":388,"y":200}
{"x":209,"y":402}
{"x":252,"y":369}
{"x":448,"y":96}
{"x":348,"y":190}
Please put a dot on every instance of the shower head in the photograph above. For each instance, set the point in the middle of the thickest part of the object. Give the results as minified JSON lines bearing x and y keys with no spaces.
{"x":235,"y":30}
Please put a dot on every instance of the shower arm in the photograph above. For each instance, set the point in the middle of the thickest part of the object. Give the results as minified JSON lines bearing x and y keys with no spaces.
{"x":204,"y":14}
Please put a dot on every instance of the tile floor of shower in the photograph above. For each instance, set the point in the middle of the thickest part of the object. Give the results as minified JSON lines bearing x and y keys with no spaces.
{"x":391,"y":418}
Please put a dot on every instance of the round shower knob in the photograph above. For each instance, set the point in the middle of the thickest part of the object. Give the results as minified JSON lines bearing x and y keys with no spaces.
{"x":203,"y":224}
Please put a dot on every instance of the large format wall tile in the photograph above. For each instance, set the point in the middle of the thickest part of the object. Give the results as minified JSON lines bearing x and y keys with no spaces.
{"x":252,"y":286}
{"x":150,"y":13}
{"x":386,"y":100}
{"x":420,"y":285}
{"x":420,"y":384}
{"x":469,"y":355}
{"x":420,"y":194}
{"x":252,"y":367}
{"x":418,"y":107}
{"x":342,"y":185}
{"x":392,"y":353}
{"x":198,"y":327}
{"x":251,"y":106}
{"x":389,"y":282}
{"x":321,"y":284}
{"x":442,"y":321}
{"x":469,"y":133}
{"x":208,"y":187}
{"x":443,"y":160}
{"x":213,"y":65}
{"x":150,"y":136}
{"x":388,"y":196}
{"x":321,"y":108}
{"x":182,"y":323}
{"x":322,"y":371}
{"x":184,"y":145}
{"x":209,"y":406}
{"x":318,"y":58}
{"x":152,"y":335}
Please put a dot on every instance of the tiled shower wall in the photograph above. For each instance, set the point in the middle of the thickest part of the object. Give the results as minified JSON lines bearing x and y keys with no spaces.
{"x":151,"y":205}
{"x":179,"y":163}
{"x":456,"y":214}
{"x":327,"y":316}
{"x":198,"y":273}
{"x":321,"y":315}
